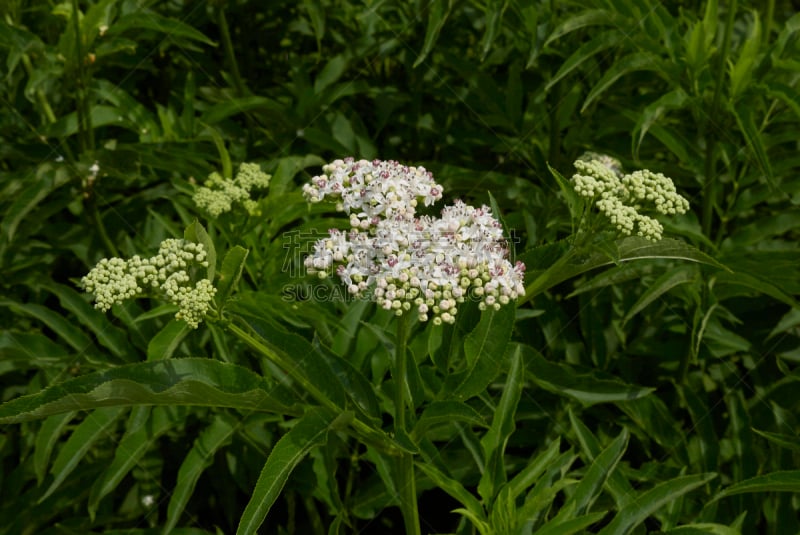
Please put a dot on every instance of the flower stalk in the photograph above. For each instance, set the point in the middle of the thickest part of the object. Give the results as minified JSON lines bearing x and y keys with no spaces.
{"x":405,"y":480}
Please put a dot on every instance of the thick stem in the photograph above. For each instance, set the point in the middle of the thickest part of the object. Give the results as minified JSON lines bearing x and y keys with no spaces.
{"x":406,"y":481}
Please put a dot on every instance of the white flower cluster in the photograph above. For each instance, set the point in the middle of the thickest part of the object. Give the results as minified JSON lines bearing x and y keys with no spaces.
{"x":113,"y":280}
{"x":402,"y":261}
{"x":219,"y":194}
{"x":370,"y":190}
{"x":622,"y":198}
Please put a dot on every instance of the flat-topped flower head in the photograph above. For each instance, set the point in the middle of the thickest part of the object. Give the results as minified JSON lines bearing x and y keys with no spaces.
{"x":404,"y":262}
{"x":624,"y":198}
{"x":367,"y":190}
{"x":168,"y":274}
{"x":218,"y":195}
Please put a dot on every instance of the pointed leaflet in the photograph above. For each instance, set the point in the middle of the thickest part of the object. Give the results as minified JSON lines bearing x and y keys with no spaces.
{"x":494,"y":441}
{"x":150,"y":20}
{"x":617,"y":485}
{"x":573,"y":525}
{"x":187,"y":381}
{"x":590,"y":485}
{"x":46,"y":439}
{"x":599,"y":43}
{"x":309,"y":432}
{"x":672,"y":100}
{"x":590,"y":17}
{"x":534,"y":469}
{"x":445,"y":412}
{"x":561,"y":379}
{"x":48,"y":178}
{"x":651,"y":501}
{"x":638,"y":61}
{"x":94,"y":427}
{"x":782,"y":481}
{"x":484,"y":349}
{"x":200,"y":457}
{"x":229,"y":274}
{"x":163,"y":345}
{"x":666,"y":282}
{"x":454,"y":489}
{"x":109,"y":335}
{"x":438,"y":12}
{"x":130,"y":450}
{"x":743,"y":112}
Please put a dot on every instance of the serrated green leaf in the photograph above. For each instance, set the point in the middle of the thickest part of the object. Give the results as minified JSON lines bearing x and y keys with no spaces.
{"x":598,"y":472}
{"x":110,"y":336}
{"x":785,"y":441}
{"x":73,"y":336}
{"x":742,"y":70}
{"x":94,"y":427}
{"x":585,"y":52}
{"x":586,"y":388}
{"x":493,"y":442}
{"x":589,"y":17}
{"x":638,"y":61}
{"x":438,"y":11}
{"x":743,"y":112}
{"x":188,"y":381}
{"x":781,"y":481}
{"x":572,"y":525}
{"x":48,"y":178}
{"x":493,"y":15}
{"x":164,"y":344}
{"x":574,"y":201}
{"x":651,"y":501}
{"x":663,"y":284}
{"x":672,"y":100}
{"x":234,"y":106}
{"x":46,"y":439}
{"x":455,"y":489}
{"x":150,"y":20}
{"x":229,"y":274}
{"x":618,"y":486}
{"x":484,"y":349}
{"x":130,"y":450}
{"x":444,"y":412}
{"x":534,"y":469}
{"x":309,"y":432}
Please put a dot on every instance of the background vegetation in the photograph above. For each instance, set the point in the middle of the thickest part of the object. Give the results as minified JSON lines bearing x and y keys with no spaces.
{"x":668,"y":371}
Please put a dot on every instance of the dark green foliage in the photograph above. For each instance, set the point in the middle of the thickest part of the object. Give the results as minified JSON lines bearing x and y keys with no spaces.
{"x":639,"y":386}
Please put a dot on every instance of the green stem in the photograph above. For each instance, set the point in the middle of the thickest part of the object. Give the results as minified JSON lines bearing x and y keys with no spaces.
{"x":545,"y":280}
{"x":406,"y":481}
{"x":101,"y":228}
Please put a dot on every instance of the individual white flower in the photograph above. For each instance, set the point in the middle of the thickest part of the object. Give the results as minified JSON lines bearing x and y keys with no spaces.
{"x":167,"y":274}
{"x":624,"y":198}
{"x":218,"y":195}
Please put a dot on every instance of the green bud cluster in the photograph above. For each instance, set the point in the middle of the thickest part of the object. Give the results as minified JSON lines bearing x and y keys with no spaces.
{"x":219,"y":194}
{"x":623,"y":198}
{"x":167,"y":274}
